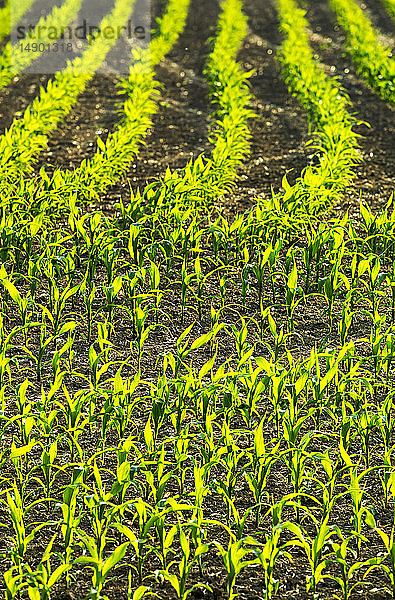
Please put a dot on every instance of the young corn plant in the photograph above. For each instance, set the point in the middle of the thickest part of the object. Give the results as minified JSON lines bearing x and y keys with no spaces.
{"x":141,"y":542}
{"x":18,"y":513}
{"x":41,"y":581}
{"x":262,"y":461}
{"x":268,"y":556}
{"x":71,"y":517}
{"x":347,"y":571}
{"x":185,"y":565}
{"x":101,"y":566}
{"x":360,"y":512}
{"x":142,"y":332}
{"x":111,"y":292}
{"x":379,"y":562}
{"x":316,"y":549}
{"x":291,"y":302}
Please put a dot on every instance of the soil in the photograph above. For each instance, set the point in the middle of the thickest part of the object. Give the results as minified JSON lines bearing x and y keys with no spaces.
{"x":279,"y":134}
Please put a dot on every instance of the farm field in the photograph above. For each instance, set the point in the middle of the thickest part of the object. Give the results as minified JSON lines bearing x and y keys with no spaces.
{"x":197,"y":307}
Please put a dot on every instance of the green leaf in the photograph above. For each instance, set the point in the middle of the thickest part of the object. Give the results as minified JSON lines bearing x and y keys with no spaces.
{"x":13,"y":292}
{"x":293,"y":278}
{"x":201,"y":340}
{"x":148,"y":435}
{"x":184,"y":334}
{"x":34,"y":593}
{"x":115,"y":558}
{"x":35,"y":225}
{"x":66,"y":327}
{"x":206,"y":368}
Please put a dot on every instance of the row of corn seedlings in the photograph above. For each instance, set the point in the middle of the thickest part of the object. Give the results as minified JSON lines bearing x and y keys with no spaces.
{"x":334,"y":143}
{"x":229,"y":90}
{"x":21,"y":143}
{"x":14,"y":59}
{"x":373,"y":60}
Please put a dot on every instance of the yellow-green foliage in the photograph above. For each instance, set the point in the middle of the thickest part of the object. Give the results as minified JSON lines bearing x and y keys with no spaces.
{"x":159,"y":412}
{"x":372,"y":59}
{"x":21,"y":143}
{"x":12,"y":11}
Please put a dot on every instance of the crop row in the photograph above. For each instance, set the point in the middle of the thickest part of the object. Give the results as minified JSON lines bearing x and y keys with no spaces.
{"x":372,"y":59}
{"x":334,"y":141}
